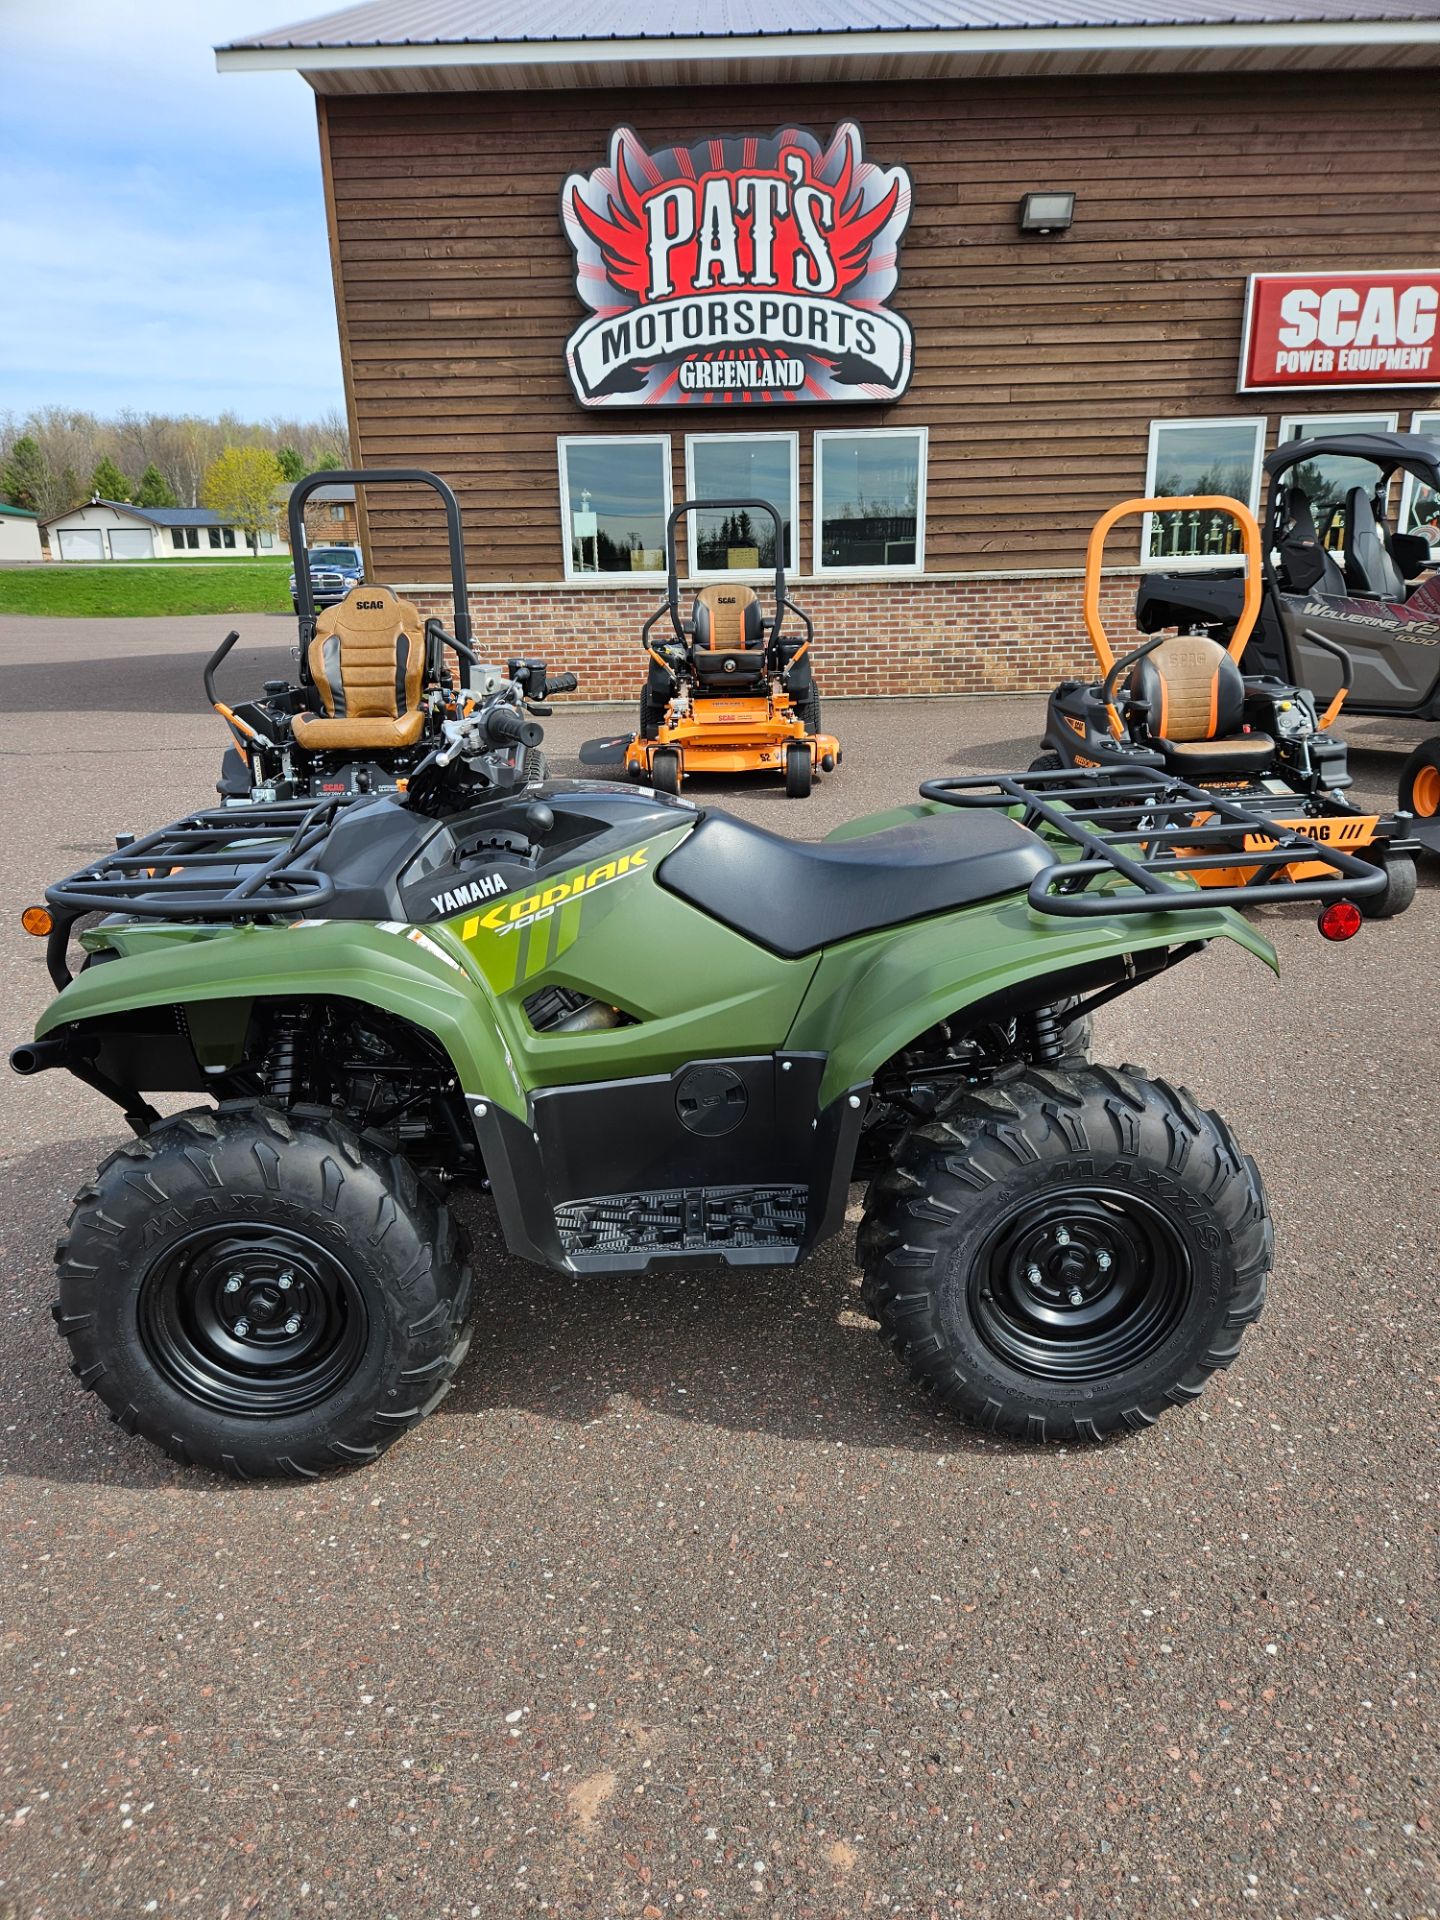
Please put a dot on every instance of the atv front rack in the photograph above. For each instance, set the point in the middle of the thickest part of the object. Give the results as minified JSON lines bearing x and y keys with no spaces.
{"x":1152,"y":831}
{"x":223,"y":863}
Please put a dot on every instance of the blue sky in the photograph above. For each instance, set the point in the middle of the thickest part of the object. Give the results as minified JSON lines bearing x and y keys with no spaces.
{"x":162,"y":231}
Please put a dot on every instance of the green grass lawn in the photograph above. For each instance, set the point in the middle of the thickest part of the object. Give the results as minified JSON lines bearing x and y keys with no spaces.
{"x":149,"y":589}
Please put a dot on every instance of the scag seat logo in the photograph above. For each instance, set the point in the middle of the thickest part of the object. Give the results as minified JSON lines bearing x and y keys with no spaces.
{"x":508,"y":916}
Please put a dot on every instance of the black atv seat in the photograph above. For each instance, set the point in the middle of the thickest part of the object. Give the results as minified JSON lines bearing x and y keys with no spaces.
{"x":794,"y":896}
{"x":1369,"y":566}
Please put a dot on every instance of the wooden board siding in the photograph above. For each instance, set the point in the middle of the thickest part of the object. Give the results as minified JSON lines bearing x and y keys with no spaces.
{"x":1039,"y":362}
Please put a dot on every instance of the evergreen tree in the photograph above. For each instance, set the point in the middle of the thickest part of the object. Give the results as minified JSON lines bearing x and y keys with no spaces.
{"x":108,"y":482}
{"x":154,"y":489}
{"x":328,"y":463}
{"x":69,"y":489}
{"x":291,"y":466}
{"x":26,"y":479}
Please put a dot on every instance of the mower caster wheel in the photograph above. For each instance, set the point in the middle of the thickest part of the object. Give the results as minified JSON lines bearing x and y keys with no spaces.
{"x":1401,"y":881}
{"x":799,"y":770}
{"x":1420,"y":782}
{"x":665,"y":770}
{"x":1066,"y":1256}
{"x":827,"y":763}
{"x":260,"y":1295}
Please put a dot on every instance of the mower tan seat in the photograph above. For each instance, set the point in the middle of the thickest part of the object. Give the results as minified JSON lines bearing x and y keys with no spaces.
{"x":367,"y":661}
{"x":729,"y":636}
{"x":1197,"y":698}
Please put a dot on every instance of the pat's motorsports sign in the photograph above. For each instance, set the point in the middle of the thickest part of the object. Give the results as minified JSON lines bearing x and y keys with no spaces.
{"x":743,"y":268}
{"x":1341,"y":330}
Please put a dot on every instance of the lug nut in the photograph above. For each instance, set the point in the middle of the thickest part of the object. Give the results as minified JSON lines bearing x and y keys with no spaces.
{"x":233,"y":1284}
{"x":1034,"y":1276}
{"x":242,"y":1327}
{"x":285,"y":1282}
{"x":1077,"y":1298}
{"x":292,"y":1325}
{"x":1062,"y":1237}
{"x":1102,"y":1260}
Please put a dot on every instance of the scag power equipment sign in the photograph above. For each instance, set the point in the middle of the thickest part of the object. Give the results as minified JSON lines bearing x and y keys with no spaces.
{"x":742,"y":269}
{"x":1341,"y":330}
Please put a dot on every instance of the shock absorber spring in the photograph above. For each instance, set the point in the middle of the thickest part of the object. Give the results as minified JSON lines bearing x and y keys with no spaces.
{"x":1046,"y":1044}
{"x":282,"y":1056}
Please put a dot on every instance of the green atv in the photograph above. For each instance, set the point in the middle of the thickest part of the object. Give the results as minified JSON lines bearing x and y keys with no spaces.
{"x":652,"y":1033}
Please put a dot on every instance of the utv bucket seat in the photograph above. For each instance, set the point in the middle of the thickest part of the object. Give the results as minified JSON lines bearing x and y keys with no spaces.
{"x":1305,"y":563}
{"x":1196,"y":696}
{"x":367,"y":662}
{"x":729,"y":650}
{"x":1369,"y":566}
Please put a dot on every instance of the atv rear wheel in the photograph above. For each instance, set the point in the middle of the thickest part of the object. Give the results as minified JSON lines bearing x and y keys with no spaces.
{"x":262,"y":1296}
{"x":1401,"y":881}
{"x":1066,"y":1256}
{"x":799,"y":770}
{"x":665,"y":770}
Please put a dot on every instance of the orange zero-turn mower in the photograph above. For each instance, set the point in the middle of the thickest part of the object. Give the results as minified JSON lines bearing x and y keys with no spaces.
{"x":728,"y":691}
{"x":1180,"y":703}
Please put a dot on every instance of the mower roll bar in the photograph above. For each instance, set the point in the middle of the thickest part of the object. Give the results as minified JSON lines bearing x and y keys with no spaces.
{"x":672,"y":566}
{"x":1094,"y":562}
{"x":378,"y":477}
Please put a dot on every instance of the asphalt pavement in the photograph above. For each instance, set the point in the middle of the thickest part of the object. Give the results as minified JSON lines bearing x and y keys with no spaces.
{"x":684,"y":1602}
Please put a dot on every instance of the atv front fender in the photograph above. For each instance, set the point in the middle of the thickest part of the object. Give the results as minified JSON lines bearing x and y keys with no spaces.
{"x":323,"y":959}
{"x":873,"y":996}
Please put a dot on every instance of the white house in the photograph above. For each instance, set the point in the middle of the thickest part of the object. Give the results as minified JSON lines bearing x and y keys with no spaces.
{"x":19,"y":536}
{"x":112,"y":530}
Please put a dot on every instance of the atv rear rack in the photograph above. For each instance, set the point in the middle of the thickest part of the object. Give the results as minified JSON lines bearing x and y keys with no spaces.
{"x":1139,"y":824}
{"x":222,"y":863}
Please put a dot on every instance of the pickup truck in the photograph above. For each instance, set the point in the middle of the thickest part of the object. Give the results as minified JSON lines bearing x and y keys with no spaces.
{"x":333,"y":572}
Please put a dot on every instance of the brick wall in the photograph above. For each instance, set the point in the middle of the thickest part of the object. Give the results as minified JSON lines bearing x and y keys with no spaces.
{"x":1015,"y":635}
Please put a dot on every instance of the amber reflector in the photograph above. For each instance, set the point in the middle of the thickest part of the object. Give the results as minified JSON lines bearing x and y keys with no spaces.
{"x":37,"y":920}
{"x":1341,"y":920}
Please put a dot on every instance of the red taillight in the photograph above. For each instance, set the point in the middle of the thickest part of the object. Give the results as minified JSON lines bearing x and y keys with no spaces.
{"x":1341,"y":920}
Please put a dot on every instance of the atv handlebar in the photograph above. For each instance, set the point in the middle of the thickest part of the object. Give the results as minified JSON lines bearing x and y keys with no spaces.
{"x":562,"y":683}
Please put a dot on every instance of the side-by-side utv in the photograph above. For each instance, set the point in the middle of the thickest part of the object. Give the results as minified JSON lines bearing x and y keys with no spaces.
{"x":1186,"y":705}
{"x":377,"y":679}
{"x":1351,"y":589}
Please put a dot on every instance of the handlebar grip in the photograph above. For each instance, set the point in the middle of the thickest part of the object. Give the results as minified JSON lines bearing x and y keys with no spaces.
{"x":562,"y":683}
{"x":504,"y":725}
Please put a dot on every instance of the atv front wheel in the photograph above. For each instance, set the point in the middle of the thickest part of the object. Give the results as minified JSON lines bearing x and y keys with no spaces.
{"x":262,"y":1297}
{"x":1066,"y":1256}
{"x":799,"y":770}
{"x":1401,"y":882}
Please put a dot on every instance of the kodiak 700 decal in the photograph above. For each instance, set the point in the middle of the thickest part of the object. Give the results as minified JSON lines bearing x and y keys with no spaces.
{"x":742,"y":269}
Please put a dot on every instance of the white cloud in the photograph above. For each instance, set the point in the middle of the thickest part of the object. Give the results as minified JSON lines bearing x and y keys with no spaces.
{"x":162,"y":232}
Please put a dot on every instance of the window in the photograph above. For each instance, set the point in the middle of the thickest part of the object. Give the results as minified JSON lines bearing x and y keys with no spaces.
{"x":227,"y":534}
{"x":741,"y":466}
{"x":338,"y":513}
{"x":267,"y":539}
{"x":214,"y":533}
{"x":1199,"y":456}
{"x":1328,"y":480}
{"x":1419,"y":504}
{"x":870,"y":500}
{"x":186,"y":536}
{"x":614,"y":502}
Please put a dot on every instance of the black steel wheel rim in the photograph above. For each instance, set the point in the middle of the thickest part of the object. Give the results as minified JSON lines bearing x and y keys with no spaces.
{"x":252,"y":1321}
{"x":1080,"y":1283}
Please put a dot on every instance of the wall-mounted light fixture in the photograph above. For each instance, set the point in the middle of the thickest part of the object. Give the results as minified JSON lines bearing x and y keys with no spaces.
{"x":1046,"y":212}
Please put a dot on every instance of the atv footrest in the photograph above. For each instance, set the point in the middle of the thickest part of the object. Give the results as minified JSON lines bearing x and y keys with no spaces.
{"x":762,"y":1225}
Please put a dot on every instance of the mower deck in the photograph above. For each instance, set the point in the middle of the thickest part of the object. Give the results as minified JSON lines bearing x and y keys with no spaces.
{"x":732,"y":736}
